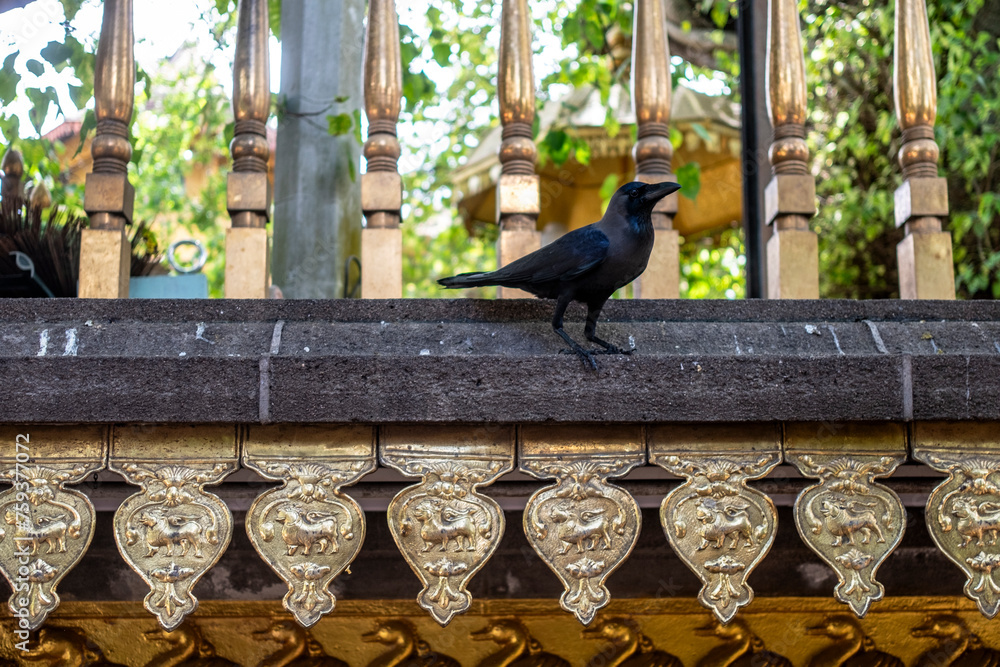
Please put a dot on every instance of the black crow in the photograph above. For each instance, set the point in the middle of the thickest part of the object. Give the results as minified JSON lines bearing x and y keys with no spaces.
{"x":587,"y":264}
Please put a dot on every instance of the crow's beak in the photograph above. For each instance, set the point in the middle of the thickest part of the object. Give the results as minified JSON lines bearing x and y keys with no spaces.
{"x":654,"y":192}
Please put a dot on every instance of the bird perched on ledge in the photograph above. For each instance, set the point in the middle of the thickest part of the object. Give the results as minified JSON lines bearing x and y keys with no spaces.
{"x":587,"y":264}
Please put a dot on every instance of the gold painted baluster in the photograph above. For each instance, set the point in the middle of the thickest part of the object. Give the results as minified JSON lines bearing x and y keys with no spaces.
{"x":518,"y":201}
{"x":653,"y":152}
{"x":248,"y":195}
{"x":105,"y":255}
{"x":13,"y":170}
{"x":790,"y":198}
{"x":381,"y":185}
{"x":924,"y":255}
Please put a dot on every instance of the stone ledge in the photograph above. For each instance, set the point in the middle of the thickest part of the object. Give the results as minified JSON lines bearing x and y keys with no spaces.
{"x":471,"y":361}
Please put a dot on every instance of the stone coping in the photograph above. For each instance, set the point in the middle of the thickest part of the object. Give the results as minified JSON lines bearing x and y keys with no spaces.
{"x":415,"y":360}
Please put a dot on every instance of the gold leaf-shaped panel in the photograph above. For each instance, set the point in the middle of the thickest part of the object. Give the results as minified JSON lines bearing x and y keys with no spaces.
{"x":308,"y":530}
{"x":582,"y":526}
{"x":852,"y":522}
{"x":173,"y":531}
{"x":720,"y":527}
{"x":46,"y":527}
{"x":445,"y":529}
{"x":963,"y":512}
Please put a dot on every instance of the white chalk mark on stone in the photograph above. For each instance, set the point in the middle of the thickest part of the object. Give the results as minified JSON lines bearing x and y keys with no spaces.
{"x":879,"y":344}
{"x":811,"y":329}
{"x":737,"y":341}
{"x":43,"y":343}
{"x":200,"y":334}
{"x":835,"y":340}
{"x":71,"y":344}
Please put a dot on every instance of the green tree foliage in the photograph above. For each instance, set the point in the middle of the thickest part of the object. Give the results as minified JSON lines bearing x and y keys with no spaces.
{"x":855,"y":139}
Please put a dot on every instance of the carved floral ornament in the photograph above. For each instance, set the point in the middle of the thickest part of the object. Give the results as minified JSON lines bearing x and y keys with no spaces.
{"x":582,"y":525}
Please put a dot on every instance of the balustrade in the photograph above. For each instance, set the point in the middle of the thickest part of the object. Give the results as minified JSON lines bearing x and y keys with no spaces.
{"x":924,"y":255}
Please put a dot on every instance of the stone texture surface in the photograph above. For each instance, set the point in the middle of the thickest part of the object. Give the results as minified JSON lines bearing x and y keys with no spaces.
{"x":469,"y":360}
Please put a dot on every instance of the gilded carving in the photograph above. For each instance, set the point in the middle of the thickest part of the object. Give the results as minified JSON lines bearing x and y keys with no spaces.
{"x":46,"y":527}
{"x":852,"y":522}
{"x":443,"y":526}
{"x":717,"y":525}
{"x":963,"y":517}
{"x":297,"y":647}
{"x":186,"y":645}
{"x":582,"y":526}
{"x":308,"y":530}
{"x":849,"y":646}
{"x":406,"y":648}
{"x":518,"y":647}
{"x":739,"y":647}
{"x":627,"y":646}
{"x":63,"y":647}
{"x":956,"y":644}
{"x":172,"y":531}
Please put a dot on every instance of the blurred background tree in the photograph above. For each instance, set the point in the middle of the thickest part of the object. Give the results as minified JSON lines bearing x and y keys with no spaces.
{"x":449,"y":57}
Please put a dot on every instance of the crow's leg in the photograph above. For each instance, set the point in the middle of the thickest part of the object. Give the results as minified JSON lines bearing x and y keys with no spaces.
{"x":557,"y":324}
{"x":590,"y":330}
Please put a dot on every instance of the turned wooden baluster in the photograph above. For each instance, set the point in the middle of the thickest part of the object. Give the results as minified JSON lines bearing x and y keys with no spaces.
{"x":248,"y":191}
{"x":105,"y":254}
{"x":518,"y":201}
{"x":924,"y":254}
{"x":381,"y":185}
{"x":653,"y":152}
{"x":790,"y":198}
{"x":13,"y":170}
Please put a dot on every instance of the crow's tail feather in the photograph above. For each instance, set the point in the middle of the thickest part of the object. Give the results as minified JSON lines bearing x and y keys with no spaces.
{"x":476,"y":279}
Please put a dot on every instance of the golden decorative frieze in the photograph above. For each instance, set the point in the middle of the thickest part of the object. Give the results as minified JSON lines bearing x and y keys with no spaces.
{"x":718,"y":526}
{"x":582,"y":526}
{"x":261,"y":633}
{"x":173,"y":531}
{"x":308,"y":530}
{"x":963,"y":512}
{"x":443,"y":526}
{"x":46,"y":527}
{"x":852,"y":522}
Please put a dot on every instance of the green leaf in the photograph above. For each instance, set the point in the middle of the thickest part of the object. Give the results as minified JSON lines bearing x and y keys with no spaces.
{"x":57,"y":53}
{"x":35,"y":67}
{"x":9,"y":79}
{"x":40,"y":101}
{"x":689,"y":178}
{"x":700,"y":130}
{"x":441,"y":53}
{"x":79,"y":95}
{"x":581,"y":151}
{"x":88,"y":124}
{"x":608,"y":187}
{"x":339,"y":124}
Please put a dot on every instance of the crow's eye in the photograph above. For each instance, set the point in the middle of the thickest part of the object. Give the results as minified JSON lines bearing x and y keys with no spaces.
{"x":633,"y":194}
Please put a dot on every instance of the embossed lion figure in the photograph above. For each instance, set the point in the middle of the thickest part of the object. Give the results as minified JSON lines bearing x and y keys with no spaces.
{"x":303,"y":530}
{"x":720,"y":522}
{"x":443,"y":523}
{"x":586,"y":527}
{"x":844,"y":518}
{"x":48,"y":530}
{"x":980,"y":521}
{"x":182,"y":531}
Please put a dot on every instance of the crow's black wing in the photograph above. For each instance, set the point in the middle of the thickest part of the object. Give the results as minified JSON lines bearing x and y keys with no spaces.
{"x":567,"y":258}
